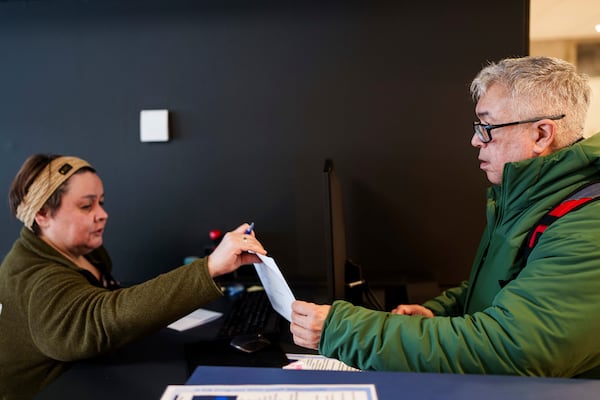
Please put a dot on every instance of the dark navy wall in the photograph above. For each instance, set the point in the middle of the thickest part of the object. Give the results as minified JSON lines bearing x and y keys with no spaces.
{"x":260,"y":93}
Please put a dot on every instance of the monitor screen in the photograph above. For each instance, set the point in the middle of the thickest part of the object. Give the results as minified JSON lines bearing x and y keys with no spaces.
{"x":335,"y":234}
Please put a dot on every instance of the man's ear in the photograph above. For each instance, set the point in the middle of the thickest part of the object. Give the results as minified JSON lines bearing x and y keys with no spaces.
{"x":546,"y":134}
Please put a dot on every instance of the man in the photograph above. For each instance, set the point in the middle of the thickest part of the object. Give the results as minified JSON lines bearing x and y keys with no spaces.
{"x":517,"y":314}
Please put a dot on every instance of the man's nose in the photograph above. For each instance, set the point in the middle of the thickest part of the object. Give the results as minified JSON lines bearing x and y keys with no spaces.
{"x":475,"y":141}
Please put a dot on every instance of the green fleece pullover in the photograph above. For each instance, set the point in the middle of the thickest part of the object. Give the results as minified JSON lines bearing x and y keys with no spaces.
{"x":51,"y":315}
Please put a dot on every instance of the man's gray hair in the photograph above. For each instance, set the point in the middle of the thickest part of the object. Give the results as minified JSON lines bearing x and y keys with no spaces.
{"x":539,"y":87}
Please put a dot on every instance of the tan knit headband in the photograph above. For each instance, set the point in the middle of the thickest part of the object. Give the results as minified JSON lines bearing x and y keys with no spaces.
{"x":45,"y":184}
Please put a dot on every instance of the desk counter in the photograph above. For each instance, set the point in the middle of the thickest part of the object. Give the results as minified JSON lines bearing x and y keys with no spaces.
{"x":407,"y":385}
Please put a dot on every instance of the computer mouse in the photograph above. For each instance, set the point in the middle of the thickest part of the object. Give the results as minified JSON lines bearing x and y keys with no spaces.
{"x":250,"y":343}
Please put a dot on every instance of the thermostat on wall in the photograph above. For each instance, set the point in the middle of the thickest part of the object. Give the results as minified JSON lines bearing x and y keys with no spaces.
{"x":154,"y":125}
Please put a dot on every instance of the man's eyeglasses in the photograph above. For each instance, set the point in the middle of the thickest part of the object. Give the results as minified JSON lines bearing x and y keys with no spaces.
{"x":484,"y":131}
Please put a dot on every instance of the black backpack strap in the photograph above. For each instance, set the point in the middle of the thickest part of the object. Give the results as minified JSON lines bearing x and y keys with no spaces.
{"x":582,"y":196}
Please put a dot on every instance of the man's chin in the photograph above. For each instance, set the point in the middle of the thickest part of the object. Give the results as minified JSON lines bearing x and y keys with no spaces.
{"x":493,"y":179}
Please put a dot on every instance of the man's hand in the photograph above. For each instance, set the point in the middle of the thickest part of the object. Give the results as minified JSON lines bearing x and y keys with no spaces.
{"x":307,"y":323}
{"x":412,"y":309}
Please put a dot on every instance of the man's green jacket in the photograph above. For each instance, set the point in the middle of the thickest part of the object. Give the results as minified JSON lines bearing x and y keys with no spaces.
{"x":544,"y":322}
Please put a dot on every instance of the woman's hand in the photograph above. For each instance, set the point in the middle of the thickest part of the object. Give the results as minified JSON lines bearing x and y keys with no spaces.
{"x":412,"y":309}
{"x":307,"y":323}
{"x":236,"y":249}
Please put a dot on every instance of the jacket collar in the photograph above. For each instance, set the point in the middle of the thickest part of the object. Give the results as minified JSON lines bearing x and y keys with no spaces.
{"x":538,"y":178}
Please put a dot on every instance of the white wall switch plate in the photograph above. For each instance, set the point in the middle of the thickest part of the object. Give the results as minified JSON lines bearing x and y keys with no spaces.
{"x":154,"y":125}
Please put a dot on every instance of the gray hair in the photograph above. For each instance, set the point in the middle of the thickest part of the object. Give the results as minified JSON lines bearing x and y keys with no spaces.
{"x":541,"y":86}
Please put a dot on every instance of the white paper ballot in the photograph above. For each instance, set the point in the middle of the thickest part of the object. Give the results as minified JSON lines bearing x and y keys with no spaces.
{"x":271,"y":392}
{"x":198,"y":317}
{"x":278,"y":291}
{"x":316,"y":362}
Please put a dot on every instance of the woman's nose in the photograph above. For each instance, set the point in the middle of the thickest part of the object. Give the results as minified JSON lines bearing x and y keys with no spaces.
{"x":102,"y":214}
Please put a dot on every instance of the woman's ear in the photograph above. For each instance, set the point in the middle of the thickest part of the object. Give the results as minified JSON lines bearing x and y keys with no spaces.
{"x":545,"y":136}
{"x":42,"y":218}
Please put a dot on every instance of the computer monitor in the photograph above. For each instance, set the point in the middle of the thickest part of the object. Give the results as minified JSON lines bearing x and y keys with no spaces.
{"x":335,"y":234}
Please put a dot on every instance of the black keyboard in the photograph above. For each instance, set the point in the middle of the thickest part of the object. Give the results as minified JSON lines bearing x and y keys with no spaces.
{"x":250,"y":312}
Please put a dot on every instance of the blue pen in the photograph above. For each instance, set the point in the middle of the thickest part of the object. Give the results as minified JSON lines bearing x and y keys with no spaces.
{"x":250,"y":229}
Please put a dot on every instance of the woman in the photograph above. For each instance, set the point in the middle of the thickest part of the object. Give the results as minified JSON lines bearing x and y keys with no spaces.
{"x":59,"y":302}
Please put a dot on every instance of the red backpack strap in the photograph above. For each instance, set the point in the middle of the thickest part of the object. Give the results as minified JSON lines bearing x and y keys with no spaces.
{"x":582,"y":196}
{"x":574,"y":201}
